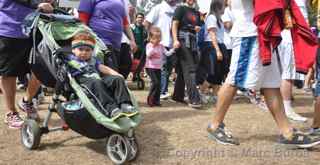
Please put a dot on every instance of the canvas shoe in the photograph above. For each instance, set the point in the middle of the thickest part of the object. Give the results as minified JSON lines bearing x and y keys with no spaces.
{"x":13,"y":120}
{"x":29,"y":109}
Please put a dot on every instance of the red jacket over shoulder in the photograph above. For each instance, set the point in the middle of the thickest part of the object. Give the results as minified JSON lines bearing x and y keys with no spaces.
{"x":269,"y":16}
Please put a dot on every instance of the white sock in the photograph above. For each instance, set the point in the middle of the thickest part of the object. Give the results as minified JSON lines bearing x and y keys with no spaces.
{"x":287,"y":106}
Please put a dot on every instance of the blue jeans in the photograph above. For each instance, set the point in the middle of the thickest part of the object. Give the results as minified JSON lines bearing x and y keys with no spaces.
{"x":166,"y":72}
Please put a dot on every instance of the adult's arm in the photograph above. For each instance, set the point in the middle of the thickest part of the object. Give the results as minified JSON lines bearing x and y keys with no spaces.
{"x":85,"y":9}
{"x":29,"y":3}
{"x":128,"y":32}
{"x":151,"y":17}
{"x":175,"y":25}
{"x":44,"y":5}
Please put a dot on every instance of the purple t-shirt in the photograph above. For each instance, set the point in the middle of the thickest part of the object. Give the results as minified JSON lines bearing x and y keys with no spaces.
{"x":106,"y":19}
{"x":11,"y":17}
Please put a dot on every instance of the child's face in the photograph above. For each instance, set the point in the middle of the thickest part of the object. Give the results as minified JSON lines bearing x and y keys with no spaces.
{"x":156,"y":38}
{"x":83,"y":52}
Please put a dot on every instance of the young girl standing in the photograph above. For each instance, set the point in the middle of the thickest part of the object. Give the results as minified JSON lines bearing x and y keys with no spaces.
{"x":214,"y":52}
{"x":155,"y":53}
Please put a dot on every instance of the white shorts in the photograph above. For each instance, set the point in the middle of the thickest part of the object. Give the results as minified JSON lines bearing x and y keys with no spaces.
{"x":246,"y":69}
{"x":288,"y":69}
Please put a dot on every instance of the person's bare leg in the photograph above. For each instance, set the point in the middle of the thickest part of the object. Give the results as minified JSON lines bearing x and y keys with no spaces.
{"x":308,"y":78}
{"x":0,"y":85}
{"x":286,"y":92}
{"x":9,"y":92}
{"x":316,"y":120}
{"x":32,"y":89}
{"x":215,"y":89}
{"x":286,"y":89}
{"x":225,"y":97}
{"x":275,"y":104}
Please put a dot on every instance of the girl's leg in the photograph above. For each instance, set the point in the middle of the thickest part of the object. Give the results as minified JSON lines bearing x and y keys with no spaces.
{"x":154,"y":93}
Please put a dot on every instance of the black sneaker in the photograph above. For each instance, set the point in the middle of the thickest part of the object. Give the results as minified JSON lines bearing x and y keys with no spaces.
{"x":222,"y":136}
{"x":115,"y":113}
{"x":299,"y":140}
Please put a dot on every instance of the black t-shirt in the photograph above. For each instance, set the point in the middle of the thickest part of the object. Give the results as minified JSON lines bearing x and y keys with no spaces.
{"x":188,"y":18}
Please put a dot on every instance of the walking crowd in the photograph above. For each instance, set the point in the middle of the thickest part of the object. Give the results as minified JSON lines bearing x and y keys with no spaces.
{"x":215,"y":50}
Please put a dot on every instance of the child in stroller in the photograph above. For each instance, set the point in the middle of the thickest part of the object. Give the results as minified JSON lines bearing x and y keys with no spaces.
{"x":109,"y":89}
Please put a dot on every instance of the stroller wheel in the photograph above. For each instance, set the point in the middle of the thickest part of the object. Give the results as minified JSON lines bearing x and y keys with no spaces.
{"x":140,"y":84}
{"x":134,"y":148}
{"x":118,"y":149}
{"x":30,"y":134}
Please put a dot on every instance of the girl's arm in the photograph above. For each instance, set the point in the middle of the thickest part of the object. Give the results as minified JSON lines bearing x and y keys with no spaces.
{"x":149,"y":50}
{"x":213,"y":36}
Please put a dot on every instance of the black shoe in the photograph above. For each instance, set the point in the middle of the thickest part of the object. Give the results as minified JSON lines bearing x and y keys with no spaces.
{"x":221,"y":136}
{"x":115,"y":112}
{"x":128,"y":108}
{"x":299,"y":140}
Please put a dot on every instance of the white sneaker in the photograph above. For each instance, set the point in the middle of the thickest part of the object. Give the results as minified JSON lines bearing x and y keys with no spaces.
{"x":165,"y":96}
{"x":204,"y":99}
{"x":296,"y":117}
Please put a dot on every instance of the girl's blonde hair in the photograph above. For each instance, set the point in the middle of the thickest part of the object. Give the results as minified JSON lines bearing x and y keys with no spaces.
{"x":153,"y":30}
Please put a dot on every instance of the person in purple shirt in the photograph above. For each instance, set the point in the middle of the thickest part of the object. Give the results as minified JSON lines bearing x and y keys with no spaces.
{"x":14,"y":50}
{"x":108,"y":19}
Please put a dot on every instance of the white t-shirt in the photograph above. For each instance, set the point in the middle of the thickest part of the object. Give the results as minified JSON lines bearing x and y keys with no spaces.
{"x":243,"y":25}
{"x":204,"y":6}
{"x":124,"y":38}
{"x":211,"y":22}
{"x":161,"y":16}
{"x":227,"y":17}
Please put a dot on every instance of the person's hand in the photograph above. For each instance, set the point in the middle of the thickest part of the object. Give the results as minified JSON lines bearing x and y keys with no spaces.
{"x":133,"y":46}
{"x":176,"y":44}
{"x":219,"y":55}
{"x":197,"y":28}
{"x":45,"y":7}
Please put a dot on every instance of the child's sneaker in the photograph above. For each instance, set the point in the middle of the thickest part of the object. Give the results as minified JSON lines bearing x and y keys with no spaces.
{"x":299,"y":140}
{"x":13,"y":120}
{"x":29,"y":109}
{"x":127,"y":108}
{"x":115,"y":112}
{"x":221,"y":135}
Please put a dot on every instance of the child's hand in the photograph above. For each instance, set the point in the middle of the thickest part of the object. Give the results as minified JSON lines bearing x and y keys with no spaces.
{"x":197,"y":28}
{"x":219,"y":56}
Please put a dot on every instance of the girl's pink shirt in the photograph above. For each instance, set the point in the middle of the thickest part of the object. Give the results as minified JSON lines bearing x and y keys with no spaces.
{"x":155,"y":55}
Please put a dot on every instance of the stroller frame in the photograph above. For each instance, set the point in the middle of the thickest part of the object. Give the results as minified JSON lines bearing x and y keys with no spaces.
{"x":121,"y":144}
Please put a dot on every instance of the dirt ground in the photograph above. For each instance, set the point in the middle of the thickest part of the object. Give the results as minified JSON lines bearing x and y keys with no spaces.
{"x":171,"y":134}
